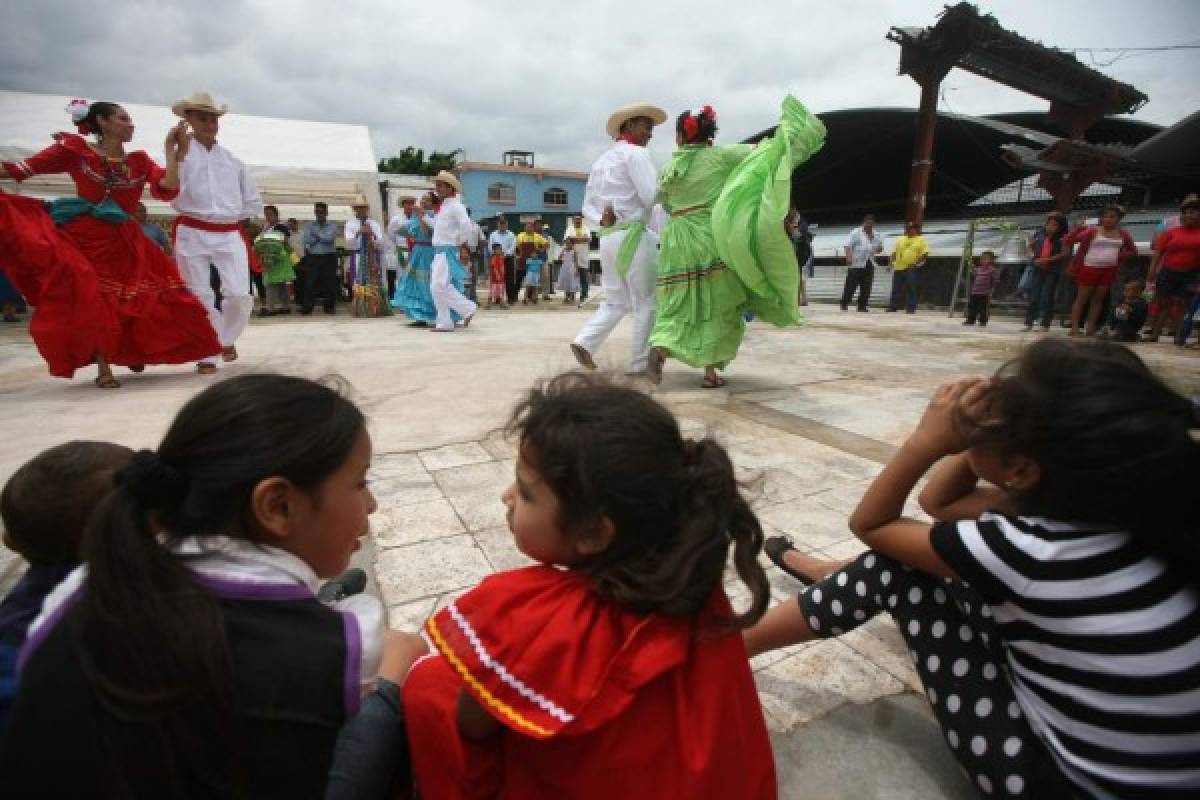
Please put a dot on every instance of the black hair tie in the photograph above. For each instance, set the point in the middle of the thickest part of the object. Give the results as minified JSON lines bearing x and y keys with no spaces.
{"x":155,"y":483}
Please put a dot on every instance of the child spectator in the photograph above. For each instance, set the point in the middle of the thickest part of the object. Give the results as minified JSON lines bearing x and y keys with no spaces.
{"x":568,"y":274}
{"x":1053,"y":612}
{"x":273,"y":253}
{"x":45,"y":507}
{"x":983,"y":281}
{"x":190,"y":654}
{"x":533,"y":276}
{"x":496,"y":294}
{"x":1129,"y":315}
{"x":613,"y":668}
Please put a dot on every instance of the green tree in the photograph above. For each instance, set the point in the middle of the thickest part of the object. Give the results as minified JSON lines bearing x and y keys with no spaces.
{"x":412,"y":161}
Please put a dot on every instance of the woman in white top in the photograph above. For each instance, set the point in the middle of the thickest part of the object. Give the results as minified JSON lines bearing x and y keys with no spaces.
{"x":1102,"y":249}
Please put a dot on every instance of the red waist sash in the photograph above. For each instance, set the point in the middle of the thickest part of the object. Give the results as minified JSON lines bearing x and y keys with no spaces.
{"x":217,"y":227}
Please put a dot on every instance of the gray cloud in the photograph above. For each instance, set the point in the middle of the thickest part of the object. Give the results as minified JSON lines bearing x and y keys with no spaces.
{"x":543,"y":75}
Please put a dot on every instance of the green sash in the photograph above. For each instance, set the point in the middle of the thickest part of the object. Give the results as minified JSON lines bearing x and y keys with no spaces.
{"x":65,"y":209}
{"x":629,"y":245}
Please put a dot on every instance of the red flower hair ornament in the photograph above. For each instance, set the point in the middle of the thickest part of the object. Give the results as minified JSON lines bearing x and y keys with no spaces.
{"x":690,"y":127}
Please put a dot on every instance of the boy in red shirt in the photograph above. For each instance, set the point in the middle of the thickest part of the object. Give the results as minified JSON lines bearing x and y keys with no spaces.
{"x":496,"y":282}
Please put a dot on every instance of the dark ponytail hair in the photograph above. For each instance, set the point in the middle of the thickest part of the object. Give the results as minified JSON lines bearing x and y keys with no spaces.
{"x":610,"y":451}
{"x":1113,"y":443}
{"x":697,"y":128}
{"x":97,"y":110}
{"x":154,"y":646}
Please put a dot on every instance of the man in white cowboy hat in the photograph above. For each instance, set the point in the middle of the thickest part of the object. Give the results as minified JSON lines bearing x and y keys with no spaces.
{"x":358,"y":227}
{"x":620,"y":193}
{"x":451,"y":228}
{"x":216,"y":192}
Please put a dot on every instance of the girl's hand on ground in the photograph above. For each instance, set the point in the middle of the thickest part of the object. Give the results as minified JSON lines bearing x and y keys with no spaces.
{"x":938,"y":430}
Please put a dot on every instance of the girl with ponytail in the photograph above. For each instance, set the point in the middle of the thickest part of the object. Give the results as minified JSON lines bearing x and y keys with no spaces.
{"x":1052,"y":609}
{"x":190,"y":656}
{"x":612,"y":667}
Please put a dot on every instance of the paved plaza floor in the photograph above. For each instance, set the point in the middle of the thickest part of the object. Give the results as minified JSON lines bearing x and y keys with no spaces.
{"x":809,"y":416}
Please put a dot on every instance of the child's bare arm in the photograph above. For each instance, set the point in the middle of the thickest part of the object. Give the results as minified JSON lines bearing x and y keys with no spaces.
{"x":400,"y":651}
{"x":473,"y":721}
{"x":953,"y":492}
{"x":879,"y":519}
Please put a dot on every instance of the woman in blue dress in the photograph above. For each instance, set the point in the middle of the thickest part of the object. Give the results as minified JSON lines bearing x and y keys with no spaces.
{"x":413,"y":297}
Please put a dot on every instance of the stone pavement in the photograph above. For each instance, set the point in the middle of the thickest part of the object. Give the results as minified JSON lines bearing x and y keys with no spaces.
{"x":809,"y":416}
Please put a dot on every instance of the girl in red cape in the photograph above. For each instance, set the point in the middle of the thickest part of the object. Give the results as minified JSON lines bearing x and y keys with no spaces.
{"x":614,"y":667}
{"x":102,"y":291}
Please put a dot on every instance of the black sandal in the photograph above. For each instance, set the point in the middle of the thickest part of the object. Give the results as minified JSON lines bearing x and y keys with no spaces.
{"x":775,"y":547}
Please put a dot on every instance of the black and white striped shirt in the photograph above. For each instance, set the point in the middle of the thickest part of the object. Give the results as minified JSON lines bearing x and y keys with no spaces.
{"x":1102,"y":643}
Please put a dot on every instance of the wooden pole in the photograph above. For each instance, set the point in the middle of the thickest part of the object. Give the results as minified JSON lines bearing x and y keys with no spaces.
{"x":922,"y":160}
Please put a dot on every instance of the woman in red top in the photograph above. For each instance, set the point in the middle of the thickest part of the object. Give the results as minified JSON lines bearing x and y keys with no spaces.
{"x":1175,"y":265}
{"x":613,"y":668}
{"x":104,"y":292}
{"x":1101,"y":251}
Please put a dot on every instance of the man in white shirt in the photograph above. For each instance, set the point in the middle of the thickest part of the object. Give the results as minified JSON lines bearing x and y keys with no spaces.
{"x":862,"y":245}
{"x":508,"y":245}
{"x":580,"y":236}
{"x":357,"y":228}
{"x":620,"y":193}
{"x":452,"y":228}
{"x":215,"y":193}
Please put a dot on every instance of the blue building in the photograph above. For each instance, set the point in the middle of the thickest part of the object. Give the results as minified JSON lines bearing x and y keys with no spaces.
{"x":520,"y":191}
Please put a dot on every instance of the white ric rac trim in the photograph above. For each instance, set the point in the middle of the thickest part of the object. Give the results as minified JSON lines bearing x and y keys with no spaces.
{"x":542,"y":702}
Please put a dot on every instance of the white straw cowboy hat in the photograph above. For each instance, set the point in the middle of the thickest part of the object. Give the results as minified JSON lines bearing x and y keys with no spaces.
{"x":626,"y":113}
{"x":199,"y":101}
{"x":448,"y":178}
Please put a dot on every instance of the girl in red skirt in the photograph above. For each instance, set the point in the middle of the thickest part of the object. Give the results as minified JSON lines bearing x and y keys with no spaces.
{"x":612,"y":668}
{"x":103,"y":292}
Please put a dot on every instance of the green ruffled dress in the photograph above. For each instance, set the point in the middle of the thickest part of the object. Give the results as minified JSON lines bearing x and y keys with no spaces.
{"x":724,"y":250}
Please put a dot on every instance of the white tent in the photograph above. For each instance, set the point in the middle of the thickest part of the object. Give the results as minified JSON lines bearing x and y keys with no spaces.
{"x":294,"y":162}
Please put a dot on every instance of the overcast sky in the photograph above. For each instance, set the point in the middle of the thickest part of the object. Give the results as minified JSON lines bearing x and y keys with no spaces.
{"x":543,"y":76}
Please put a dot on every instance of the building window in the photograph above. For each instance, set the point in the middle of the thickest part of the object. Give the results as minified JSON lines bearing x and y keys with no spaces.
{"x":502,"y":194}
{"x":555,"y":197}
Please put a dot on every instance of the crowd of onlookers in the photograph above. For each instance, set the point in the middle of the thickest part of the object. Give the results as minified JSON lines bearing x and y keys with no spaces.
{"x":505,"y":267}
{"x":1110,"y":290}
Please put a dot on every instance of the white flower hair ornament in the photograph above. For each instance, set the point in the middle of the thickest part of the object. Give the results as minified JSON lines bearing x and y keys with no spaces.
{"x":78,"y":109}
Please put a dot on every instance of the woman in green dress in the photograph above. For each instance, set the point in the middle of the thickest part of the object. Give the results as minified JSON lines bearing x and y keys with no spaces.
{"x":724,"y":251}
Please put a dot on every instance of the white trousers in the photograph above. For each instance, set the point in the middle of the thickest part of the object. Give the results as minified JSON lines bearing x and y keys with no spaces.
{"x":195,"y":250}
{"x":633,"y":294}
{"x":446,"y":298}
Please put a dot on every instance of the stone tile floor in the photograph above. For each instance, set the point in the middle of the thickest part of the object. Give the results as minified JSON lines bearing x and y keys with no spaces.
{"x":809,"y":416}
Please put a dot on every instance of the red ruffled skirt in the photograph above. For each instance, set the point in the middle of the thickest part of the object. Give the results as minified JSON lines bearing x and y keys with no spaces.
{"x":102,"y":288}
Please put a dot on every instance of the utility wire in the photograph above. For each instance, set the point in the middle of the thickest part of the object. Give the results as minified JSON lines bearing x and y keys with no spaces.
{"x":1123,"y":53}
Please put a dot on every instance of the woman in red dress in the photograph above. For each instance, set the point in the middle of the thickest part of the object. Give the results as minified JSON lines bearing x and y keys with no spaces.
{"x":103,"y":292}
{"x":613,"y":668}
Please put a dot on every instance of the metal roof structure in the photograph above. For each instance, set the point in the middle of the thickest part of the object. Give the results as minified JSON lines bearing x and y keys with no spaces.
{"x":965,"y":39}
{"x":978,"y":44}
